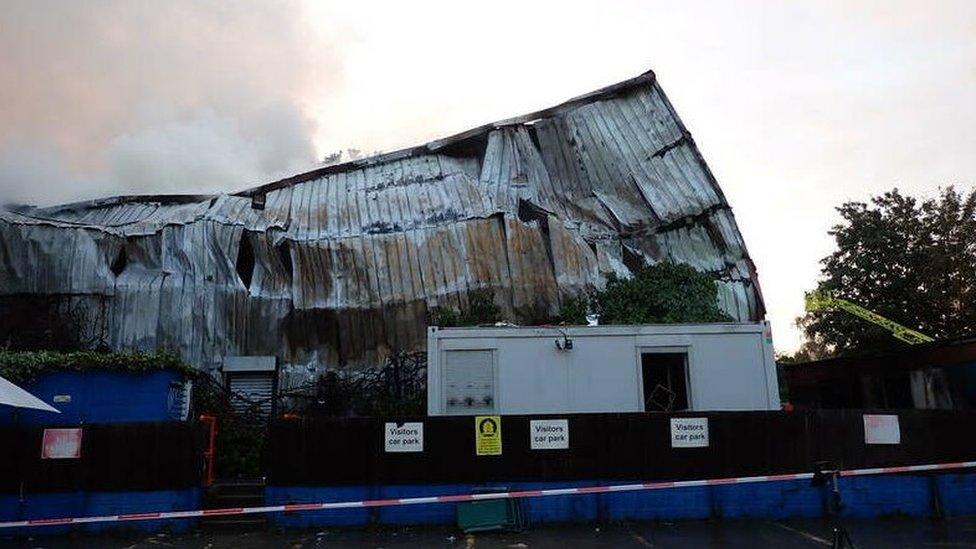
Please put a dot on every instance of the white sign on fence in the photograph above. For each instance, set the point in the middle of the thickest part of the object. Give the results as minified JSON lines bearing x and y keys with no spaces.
{"x":689,"y":432}
{"x":549,"y":434}
{"x":404,"y":437}
{"x":881,"y":429}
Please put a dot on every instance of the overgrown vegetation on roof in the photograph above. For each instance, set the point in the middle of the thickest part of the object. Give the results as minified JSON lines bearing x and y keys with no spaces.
{"x":663,"y":293}
{"x":481,"y":309}
{"x":24,"y":366}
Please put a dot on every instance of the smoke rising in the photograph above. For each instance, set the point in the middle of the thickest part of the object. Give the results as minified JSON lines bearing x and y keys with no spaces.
{"x":109,"y":97}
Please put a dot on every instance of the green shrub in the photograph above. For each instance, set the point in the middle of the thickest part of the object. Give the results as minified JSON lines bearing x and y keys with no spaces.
{"x":481,"y":309}
{"x":24,"y":366}
{"x":663,"y":293}
{"x":574,"y":309}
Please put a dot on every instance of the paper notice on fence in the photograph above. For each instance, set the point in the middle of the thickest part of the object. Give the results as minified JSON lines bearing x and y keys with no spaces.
{"x":61,"y":444}
{"x":881,"y":429}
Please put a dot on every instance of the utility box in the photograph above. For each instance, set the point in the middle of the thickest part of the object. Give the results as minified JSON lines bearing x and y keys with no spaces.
{"x":579,"y":369}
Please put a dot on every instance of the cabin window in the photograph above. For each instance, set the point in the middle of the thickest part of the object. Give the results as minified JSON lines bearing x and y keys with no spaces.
{"x":665,"y":378}
{"x":896,"y":391}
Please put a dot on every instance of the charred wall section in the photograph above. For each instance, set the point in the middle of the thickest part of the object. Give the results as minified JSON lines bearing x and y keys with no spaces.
{"x":339,"y":267}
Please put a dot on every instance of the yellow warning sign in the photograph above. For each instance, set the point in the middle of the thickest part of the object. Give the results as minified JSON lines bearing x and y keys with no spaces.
{"x":488,"y":435}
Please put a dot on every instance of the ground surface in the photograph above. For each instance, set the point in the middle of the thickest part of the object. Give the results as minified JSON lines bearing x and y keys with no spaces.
{"x":959,"y":532}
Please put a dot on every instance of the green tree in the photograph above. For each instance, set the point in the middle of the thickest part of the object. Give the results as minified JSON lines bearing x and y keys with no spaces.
{"x":663,"y":293}
{"x":911,"y":261}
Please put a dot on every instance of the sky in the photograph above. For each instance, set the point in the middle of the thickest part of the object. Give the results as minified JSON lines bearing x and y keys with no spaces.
{"x":796,"y":106}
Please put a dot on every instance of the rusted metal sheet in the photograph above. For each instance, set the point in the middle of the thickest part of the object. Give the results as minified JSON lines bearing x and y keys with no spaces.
{"x":340,"y":266}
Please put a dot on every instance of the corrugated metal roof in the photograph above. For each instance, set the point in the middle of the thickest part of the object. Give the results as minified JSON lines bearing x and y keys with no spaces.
{"x":348,"y":259}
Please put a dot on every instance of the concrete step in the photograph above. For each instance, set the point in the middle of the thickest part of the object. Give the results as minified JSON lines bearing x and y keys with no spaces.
{"x":237,"y":488}
{"x":231,"y":494}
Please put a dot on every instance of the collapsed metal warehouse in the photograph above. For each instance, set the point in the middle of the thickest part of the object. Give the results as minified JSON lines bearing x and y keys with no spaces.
{"x":337,"y":267}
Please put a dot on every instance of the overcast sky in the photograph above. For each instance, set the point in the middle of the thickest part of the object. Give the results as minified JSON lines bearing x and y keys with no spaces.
{"x":796,"y":107}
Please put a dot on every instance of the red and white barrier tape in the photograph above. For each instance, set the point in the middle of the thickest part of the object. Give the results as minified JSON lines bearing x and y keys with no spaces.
{"x":473,"y":497}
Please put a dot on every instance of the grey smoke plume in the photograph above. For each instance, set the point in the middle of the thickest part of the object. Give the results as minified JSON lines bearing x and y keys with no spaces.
{"x":106,"y":97}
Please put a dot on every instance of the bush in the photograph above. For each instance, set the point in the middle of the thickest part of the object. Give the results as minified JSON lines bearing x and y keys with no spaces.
{"x":24,"y":366}
{"x":574,"y":309}
{"x":663,"y":293}
{"x":481,"y":310}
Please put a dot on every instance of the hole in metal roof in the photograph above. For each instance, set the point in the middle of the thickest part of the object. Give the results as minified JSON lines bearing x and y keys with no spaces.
{"x":119,"y":263}
{"x":245,"y":261}
{"x":284,"y":254}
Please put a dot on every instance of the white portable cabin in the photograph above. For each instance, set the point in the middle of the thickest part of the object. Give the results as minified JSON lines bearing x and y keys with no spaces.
{"x":578,"y":369}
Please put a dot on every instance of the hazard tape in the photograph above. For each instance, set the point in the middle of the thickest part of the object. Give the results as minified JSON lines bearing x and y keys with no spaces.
{"x":295,"y":507}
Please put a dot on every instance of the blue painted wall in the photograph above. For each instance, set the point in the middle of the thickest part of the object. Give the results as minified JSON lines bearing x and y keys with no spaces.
{"x":97,"y":396}
{"x":862,"y":497}
{"x":79,"y":504}
{"x":957,"y":493}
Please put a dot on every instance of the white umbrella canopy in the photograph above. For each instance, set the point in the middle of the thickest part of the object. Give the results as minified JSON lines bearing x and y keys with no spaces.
{"x":12,"y":395}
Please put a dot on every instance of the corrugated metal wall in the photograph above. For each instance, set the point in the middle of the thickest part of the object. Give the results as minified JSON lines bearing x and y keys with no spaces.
{"x":348,"y":259}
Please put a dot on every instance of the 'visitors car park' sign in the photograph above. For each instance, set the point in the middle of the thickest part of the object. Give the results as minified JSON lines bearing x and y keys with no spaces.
{"x":404,"y":437}
{"x":689,"y":432}
{"x":549,"y":434}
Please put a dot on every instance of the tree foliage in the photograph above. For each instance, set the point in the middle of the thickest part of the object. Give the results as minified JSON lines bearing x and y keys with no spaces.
{"x":663,"y":293}
{"x":911,"y":261}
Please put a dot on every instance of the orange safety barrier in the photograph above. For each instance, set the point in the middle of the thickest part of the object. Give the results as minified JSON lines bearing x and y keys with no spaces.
{"x":208,"y":454}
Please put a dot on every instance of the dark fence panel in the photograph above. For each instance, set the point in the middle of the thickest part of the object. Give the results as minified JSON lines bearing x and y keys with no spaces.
{"x":114,"y":457}
{"x":339,"y":451}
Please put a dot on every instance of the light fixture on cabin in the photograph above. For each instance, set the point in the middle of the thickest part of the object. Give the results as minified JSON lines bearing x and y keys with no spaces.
{"x":565,"y":343}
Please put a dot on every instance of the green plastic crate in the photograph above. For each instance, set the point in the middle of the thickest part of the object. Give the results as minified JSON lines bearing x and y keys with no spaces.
{"x":480,"y":516}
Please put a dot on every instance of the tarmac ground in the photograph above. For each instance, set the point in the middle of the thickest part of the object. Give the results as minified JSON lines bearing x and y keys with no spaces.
{"x":894,"y":533}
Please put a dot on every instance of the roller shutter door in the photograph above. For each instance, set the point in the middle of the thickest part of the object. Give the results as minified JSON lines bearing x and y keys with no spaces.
{"x":252,"y":392}
{"x":469,"y":382}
